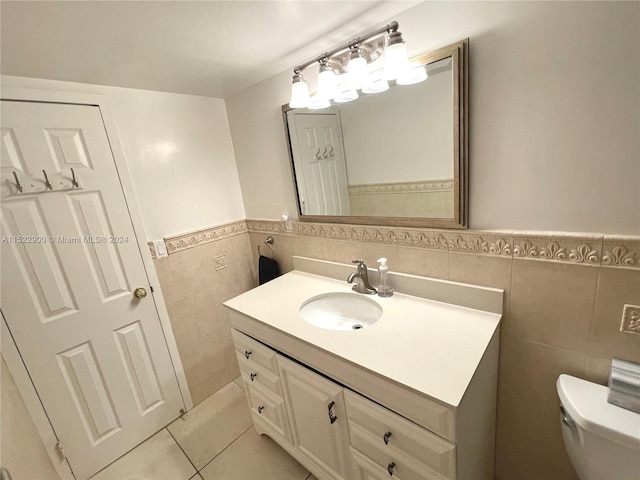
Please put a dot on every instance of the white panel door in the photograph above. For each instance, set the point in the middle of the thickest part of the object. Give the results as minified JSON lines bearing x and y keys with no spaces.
{"x":70,"y":263}
{"x":322,"y":163}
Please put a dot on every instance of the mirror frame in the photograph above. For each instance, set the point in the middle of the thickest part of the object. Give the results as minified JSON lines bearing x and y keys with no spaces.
{"x":459,"y":53}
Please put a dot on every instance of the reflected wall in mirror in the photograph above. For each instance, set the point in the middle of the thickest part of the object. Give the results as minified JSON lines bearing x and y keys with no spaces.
{"x":393,"y":158}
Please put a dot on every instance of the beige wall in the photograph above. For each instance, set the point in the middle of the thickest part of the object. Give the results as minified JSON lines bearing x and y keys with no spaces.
{"x":554,"y":115}
{"x":375,"y":129}
{"x":562,"y":314}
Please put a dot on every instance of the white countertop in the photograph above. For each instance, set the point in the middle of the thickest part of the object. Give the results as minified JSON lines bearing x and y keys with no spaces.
{"x":431,"y":347}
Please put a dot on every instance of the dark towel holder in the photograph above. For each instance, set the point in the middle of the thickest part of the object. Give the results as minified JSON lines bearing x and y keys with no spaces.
{"x":268,"y":242}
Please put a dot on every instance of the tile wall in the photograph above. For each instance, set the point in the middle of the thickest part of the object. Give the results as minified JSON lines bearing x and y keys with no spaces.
{"x":564,"y":297}
{"x":203,"y":270}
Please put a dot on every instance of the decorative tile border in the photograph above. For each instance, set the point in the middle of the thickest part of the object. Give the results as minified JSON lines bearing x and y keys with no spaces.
{"x":561,"y":248}
{"x":621,"y":252}
{"x":482,"y":243}
{"x":270,"y":226}
{"x":445,"y":185}
{"x":605,"y":250}
{"x":596,"y":250}
{"x":182,"y":242}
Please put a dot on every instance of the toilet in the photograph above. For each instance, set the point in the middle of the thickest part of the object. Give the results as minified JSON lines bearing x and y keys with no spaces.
{"x":602,"y":440}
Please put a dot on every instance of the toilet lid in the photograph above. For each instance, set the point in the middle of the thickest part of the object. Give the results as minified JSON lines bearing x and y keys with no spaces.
{"x":587,"y":404}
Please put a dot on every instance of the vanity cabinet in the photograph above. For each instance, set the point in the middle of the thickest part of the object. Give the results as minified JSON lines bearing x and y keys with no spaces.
{"x":412,"y":396}
{"x":334,"y":431}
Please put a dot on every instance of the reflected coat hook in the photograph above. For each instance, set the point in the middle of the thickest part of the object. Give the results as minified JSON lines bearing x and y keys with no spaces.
{"x":18,"y":185}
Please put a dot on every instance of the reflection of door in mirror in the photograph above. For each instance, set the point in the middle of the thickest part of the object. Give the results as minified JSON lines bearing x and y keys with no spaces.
{"x":319,"y":156}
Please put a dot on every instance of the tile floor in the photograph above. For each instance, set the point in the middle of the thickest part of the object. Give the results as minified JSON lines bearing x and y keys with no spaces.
{"x":214,"y":441}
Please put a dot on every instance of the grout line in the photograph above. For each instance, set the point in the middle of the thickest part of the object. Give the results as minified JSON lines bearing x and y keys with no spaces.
{"x":184,"y":453}
{"x":592,"y":322}
{"x":225,"y":448}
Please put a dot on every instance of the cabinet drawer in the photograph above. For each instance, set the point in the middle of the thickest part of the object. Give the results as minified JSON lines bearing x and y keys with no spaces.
{"x":253,"y":351}
{"x":378,"y":433}
{"x":387,"y":457}
{"x":267,"y":409}
{"x":253,"y":373}
{"x":366,"y":469}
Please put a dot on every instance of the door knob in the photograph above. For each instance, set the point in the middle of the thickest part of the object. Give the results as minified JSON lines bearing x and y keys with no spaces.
{"x":140,"y":292}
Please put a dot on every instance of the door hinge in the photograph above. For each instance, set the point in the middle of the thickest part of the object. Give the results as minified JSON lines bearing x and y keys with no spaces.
{"x":60,"y":449}
{"x":151,"y":287}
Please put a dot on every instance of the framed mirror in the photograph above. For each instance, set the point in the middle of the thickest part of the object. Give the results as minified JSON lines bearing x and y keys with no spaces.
{"x":397,"y":158}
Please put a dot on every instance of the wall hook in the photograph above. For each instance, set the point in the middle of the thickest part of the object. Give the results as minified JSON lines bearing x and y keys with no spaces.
{"x":46,"y":180}
{"x":18,"y":185}
{"x":73,"y":179}
{"x":268,"y":242}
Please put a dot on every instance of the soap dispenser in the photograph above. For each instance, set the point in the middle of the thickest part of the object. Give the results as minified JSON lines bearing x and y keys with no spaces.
{"x":384,"y":289}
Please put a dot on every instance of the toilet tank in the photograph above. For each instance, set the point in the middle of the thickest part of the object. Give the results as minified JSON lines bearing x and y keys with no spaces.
{"x":602,"y":440}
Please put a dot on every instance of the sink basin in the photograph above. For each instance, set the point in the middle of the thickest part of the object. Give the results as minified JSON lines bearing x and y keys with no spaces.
{"x":341,"y":311}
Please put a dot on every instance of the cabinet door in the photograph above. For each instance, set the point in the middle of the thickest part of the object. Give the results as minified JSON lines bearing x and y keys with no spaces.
{"x":317,"y":416}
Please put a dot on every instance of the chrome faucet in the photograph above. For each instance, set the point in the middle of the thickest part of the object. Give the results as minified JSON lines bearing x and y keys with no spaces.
{"x":361,"y":277}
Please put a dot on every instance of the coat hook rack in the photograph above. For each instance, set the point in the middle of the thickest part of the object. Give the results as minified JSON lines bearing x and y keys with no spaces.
{"x":268,"y":242}
{"x":29,"y":190}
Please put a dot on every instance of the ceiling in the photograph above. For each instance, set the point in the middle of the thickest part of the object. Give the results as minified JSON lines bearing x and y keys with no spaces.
{"x":210,"y":48}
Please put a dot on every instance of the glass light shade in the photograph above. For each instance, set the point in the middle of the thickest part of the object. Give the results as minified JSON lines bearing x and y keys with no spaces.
{"x":318,"y":102}
{"x":396,"y":60}
{"x":327,"y":84}
{"x":345,"y":93}
{"x":412,"y":75}
{"x":357,"y":72}
{"x":376,"y":84}
{"x":299,"y":95}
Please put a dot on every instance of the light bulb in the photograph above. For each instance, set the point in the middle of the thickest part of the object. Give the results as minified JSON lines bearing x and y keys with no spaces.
{"x":318,"y":102}
{"x":357,"y":71}
{"x":412,"y":75}
{"x":376,"y":84}
{"x":327,"y":82}
{"x":396,"y":59}
{"x":299,"y":93}
{"x":345,"y":93}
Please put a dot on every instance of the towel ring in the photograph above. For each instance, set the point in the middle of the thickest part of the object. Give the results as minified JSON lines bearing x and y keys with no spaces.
{"x":268,"y":242}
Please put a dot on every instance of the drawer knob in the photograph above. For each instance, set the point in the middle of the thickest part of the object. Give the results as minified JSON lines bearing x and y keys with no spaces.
{"x":332,"y":416}
{"x":253,"y":376}
{"x":247,"y":353}
{"x":390,"y":468}
{"x":386,"y":437}
{"x":260,"y":408}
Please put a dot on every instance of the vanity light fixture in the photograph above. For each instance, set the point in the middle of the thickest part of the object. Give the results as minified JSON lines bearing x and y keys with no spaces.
{"x":355,"y":63}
